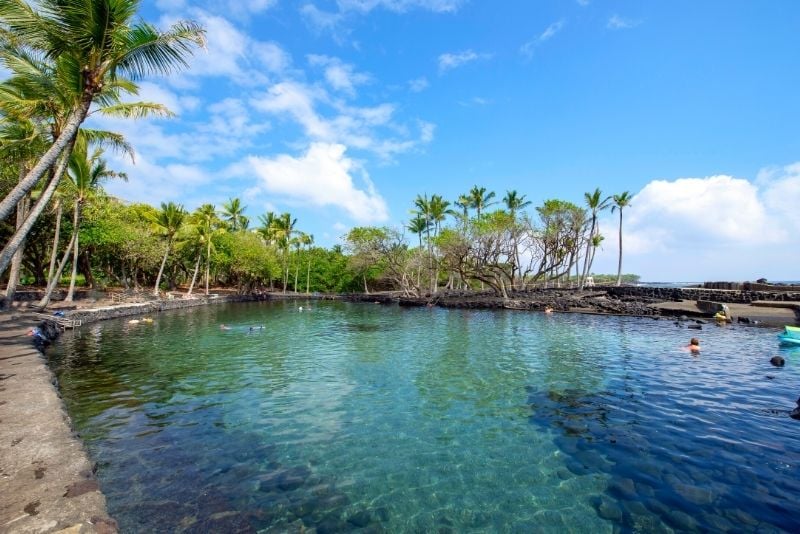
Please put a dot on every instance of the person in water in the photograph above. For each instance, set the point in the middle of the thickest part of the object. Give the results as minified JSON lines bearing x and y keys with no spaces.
{"x":224,"y":327}
{"x":548,"y":309}
{"x":694,"y":345}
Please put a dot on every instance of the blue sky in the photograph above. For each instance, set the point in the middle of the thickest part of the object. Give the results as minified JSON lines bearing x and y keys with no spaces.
{"x":342,"y":111}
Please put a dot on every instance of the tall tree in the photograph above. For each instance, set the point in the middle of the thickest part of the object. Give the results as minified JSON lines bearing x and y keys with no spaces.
{"x":514,"y":203}
{"x":418,"y":225}
{"x":283,"y":232}
{"x":95,"y":43}
{"x":596,"y":203}
{"x":308,"y":240}
{"x":233,"y":213}
{"x":620,"y":201}
{"x":208,"y":226}
{"x":86,"y":173}
{"x":480,"y":199}
{"x":168,"y":221}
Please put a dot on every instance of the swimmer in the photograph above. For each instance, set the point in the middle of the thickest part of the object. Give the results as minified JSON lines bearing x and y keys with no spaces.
{"x":133,"y":321}
{"x":548,"y":309}
{"x":694,"y":345}
{"x":224,"y":327}
{"x":300,"y":308}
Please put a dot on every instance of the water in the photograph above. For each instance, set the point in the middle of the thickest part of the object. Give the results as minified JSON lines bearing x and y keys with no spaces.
{"x":372,"y":418}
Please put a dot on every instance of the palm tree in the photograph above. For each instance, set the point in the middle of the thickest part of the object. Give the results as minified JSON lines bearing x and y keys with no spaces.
{"x":308,"y":240}
{"x":596,"y":203}
{"x":418,"y":225}
{"x":86,"y":173}
{"x":283,"y":230}
{"x":233,"y":211}
{"x":620,"y":202}
{"x":515,"y":202}
{"x":267,"y":228}
{"x":93,"y":43}
{"x":464,"y":202}
{"x":169,"y":220}
{"x":480,"y":199}
{"x":439,"y":209}
{"x":45,"y":89}
{"x":208,"y":225}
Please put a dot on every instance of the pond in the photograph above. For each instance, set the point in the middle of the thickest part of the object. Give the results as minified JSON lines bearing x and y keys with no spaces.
{"x":360,"y":417}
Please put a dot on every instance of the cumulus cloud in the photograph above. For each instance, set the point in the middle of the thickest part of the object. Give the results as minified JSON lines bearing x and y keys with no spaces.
{"x":322,"y":176}
{"x":229,"y":53}
{"x":618,"y":23}
{"x":339,"y":75}
{"x":363,"y":128}
{"x":714,"y":227}
{"x":528,"y":48}
{"x":449,"y":61}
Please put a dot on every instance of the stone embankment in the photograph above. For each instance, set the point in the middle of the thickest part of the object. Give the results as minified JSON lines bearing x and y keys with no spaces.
{"x":47,"y":482}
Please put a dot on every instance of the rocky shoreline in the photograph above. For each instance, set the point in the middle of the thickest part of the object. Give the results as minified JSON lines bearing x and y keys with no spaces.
{"x":768,"y":308}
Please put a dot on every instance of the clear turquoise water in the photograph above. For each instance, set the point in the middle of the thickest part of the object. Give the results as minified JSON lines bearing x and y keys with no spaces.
{"x":372,"y":418}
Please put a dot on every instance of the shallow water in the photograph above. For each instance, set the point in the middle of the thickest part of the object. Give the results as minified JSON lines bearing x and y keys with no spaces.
{"x":373,"y":418}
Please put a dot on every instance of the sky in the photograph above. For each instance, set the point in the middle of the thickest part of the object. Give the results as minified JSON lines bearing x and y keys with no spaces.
{"x":343,"y":111}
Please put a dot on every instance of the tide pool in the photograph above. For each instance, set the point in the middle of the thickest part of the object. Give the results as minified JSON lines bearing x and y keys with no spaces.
{"x":357,"y":417}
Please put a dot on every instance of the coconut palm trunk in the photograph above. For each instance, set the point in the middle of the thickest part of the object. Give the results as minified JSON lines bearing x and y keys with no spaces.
{"x":619,"y":264}
{"x":56,"y":237}
{"x":51,"y":285}
{"x":22,"y":232}
{"x":308,"y":276}
{"x":61,"y":147}
{"x":76,"y":224}
{"x":161,"y":269}
{"x":16,"y":261}
{"x":194,"y":276}
{"x":208,"y":263}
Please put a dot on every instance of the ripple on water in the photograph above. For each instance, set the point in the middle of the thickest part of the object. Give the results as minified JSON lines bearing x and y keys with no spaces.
{"x":357,"y":417}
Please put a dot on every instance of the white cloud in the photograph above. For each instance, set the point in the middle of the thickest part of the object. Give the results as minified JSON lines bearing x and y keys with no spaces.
{"x":718,"y":227}
{"x":450,"y":61}
{"x":229,"y":53}
{"x":400,"y":6}
{"x":323,"y":176}
{"x":356,"y":127}
{"x":321,"y":20}
{"x":153,"y":183}
{"x":618,"y":23}
{"x":528,"y":48}
{"x":418,"y":85}
{"x":339,"y":75}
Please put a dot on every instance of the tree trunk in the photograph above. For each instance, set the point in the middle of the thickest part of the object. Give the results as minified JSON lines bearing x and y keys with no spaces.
{"x":296,"y":273}
{"x":22,"y":232}
{"x":57,"y":275}
{"x":308,"y":276}
{"x":619,"y":265}
{"x":56,"y":237}
{"x":586,"y":258}
{"x":208,"y":263}
{"x":76,"y":225}
{"x":366,"y":289}
{"x":194,"y":276}
{"x":61,"y":147}
{"x":16,"y":261}
{"x":161,"y":269}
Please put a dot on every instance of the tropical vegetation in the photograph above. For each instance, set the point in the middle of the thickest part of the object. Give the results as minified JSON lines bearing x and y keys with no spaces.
{"x":67,"y":59}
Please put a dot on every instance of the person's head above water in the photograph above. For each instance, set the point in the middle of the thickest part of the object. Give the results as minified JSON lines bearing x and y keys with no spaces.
{"x":694,"y":342}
